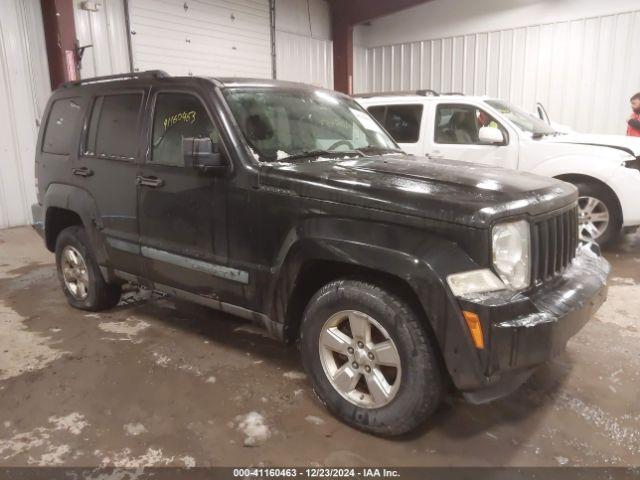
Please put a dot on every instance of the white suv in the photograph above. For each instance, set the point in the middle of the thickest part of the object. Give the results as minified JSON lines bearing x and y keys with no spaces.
{"x":490,"y":131}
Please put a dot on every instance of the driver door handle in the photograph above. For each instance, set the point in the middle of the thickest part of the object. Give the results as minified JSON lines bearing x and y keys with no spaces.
{"x":82,"y":172}
{"x":152,"y":182}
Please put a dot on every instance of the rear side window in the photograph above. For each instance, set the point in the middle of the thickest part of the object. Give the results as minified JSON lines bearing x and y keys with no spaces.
{"x":113,"y":128}
{"x":401,"y":121}
{"x":62,"y":127}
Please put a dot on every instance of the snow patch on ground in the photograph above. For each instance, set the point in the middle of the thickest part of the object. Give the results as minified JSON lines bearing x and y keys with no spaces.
{"x":211,"y":379}
{"x":165,"y":361}
{"x":253,"y":427}
{"x":53,"y":457}
{"x":134,"y":429}
{"x":39,"y":441}
{"x":74,"y":423}
{"x":314,"y":420}
{"x":151,"y":458}
{"x":161,"y":360}
{"x":294,"y":375}
{"x":188,"y":461}
{"x":130,"y":328}
{"x":23,"y":351}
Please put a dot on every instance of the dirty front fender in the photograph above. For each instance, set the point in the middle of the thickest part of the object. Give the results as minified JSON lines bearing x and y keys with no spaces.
{"x":418,"y":259}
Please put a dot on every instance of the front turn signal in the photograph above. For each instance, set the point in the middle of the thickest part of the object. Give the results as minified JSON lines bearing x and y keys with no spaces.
{"x":475,"y":328}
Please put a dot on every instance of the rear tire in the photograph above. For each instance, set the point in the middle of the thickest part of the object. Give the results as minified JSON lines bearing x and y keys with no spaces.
{"x":79,"y":275}
{"x":600,"y":218}
{"x":383,"y":400}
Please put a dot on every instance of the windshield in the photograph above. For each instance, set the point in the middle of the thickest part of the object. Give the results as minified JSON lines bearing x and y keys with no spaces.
{"x":284,"y":124}
{"x":523,"y":120}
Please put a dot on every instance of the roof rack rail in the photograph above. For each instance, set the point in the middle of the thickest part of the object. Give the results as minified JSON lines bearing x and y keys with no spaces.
{"x":119,"y":76}
{"x":422,"y":93}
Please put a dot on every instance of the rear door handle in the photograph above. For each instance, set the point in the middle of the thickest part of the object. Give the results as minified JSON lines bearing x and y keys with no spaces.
{"x":152,"y":182}
{"x":82,"y":172}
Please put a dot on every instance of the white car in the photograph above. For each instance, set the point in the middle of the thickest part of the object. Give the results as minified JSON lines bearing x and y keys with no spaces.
{"x":490,"y":131}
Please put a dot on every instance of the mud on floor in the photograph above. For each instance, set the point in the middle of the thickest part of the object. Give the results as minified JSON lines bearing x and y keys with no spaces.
{"x":162,"y":382}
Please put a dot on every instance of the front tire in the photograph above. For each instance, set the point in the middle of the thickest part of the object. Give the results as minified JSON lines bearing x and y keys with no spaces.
{"x":79,"y":275}
{"x":599,"y":216}
{"x":370,"y":359}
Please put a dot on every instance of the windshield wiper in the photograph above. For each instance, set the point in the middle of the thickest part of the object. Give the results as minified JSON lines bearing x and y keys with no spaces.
{"x":376,"y":149}
{"x":319,"y":153}
{"x":362,"y":151}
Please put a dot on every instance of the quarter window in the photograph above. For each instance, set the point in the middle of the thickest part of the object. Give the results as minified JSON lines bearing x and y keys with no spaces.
{"x":113,"y":128}
{"x":62,"y":126}
{"x":178,"y":116}
{"x":401,"y":121}
{"x":461,"y":124}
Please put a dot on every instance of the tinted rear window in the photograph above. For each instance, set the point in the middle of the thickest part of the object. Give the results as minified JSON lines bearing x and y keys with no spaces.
{"x":113,"y":130}
{"x":401,"y":121}
{"x":62,"y":126}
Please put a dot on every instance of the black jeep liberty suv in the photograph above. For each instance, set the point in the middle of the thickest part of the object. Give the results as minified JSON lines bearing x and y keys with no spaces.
{"x":290,"y":206}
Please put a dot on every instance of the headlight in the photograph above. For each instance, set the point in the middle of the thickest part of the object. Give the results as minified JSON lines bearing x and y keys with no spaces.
{"x":512,"y":253}
{"x":633,"y":164}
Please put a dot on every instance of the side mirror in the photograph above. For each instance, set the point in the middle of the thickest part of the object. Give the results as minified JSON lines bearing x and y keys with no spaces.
{"x":491,"y":136}
{"x":203,"y":154}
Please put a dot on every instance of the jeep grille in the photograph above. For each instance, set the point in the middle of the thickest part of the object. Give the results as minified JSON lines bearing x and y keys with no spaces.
{"x":554,"y":241}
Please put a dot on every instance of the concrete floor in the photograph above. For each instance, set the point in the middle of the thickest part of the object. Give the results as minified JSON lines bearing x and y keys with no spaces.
{"x":161,"y":382}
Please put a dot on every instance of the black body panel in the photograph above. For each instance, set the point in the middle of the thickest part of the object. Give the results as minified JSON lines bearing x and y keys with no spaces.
{"x":241,"y":239}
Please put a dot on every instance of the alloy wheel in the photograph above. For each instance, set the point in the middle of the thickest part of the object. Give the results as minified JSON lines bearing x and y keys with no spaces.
{"x":593,"y":218}
{"x":360,"y":359}
{"x":74,"y":272}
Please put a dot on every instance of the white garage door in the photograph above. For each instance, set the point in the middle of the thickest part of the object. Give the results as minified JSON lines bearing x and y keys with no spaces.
{"x":24,"y":89}
{"x":202,"y":37}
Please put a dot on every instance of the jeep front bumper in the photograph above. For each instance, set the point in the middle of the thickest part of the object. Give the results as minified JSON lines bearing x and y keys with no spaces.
{"x":523,"y":331}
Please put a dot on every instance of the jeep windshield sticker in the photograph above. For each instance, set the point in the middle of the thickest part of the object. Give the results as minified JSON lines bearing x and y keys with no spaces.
{"x":181,"y":117}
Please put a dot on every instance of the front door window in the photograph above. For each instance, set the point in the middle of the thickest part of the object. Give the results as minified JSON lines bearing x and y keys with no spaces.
{"x":461,"y":124}
{"x":178,"y":116}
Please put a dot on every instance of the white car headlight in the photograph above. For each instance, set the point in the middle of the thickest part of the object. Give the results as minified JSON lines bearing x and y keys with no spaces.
{"x":512,"y":253}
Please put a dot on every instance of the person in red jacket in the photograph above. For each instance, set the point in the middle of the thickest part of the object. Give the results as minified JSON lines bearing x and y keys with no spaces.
{"x":633,"y":124}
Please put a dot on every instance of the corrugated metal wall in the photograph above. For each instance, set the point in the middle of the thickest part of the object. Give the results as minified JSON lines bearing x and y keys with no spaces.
{"x":304,"y":59}
{"x":24,"y":89}
{"x":105,"y":30}
{"x":204,"y":37}
{"x":583,"y":71}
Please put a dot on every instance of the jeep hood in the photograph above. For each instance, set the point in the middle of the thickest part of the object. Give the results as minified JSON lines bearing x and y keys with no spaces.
{"x":630,"y":145}
{"x":437,"y":189}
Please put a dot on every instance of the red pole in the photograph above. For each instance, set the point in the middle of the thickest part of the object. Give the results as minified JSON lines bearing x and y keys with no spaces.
{"x":60,"y":39}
